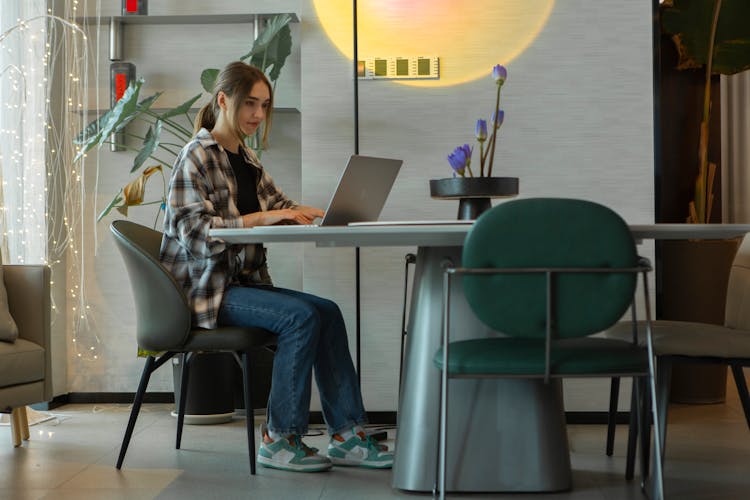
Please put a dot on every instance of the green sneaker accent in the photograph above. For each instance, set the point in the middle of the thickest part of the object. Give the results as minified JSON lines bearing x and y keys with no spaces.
{"x":290,"y":454}
{"x":359,"y":452}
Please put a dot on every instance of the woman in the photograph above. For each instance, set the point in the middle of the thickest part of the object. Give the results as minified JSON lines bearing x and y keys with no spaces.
{"x":218,"y":182}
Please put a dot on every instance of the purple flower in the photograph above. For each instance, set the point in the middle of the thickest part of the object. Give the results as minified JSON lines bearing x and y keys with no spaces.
{"x":481,"y":130}
{"x":499,"y":122}
{"x":499,"y":73}
{"x":460,"y":158}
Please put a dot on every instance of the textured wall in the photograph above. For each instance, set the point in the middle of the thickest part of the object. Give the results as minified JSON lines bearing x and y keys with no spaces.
{"x":578,"y":124}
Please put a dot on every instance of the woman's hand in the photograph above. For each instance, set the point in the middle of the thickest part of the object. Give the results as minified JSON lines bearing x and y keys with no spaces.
{"x":296,"y":215}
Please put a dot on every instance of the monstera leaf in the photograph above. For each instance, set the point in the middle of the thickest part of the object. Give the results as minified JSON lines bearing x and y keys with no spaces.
{"x":150,"y":143}
{"x":272,"y":47}
{"x":269,"y":52}
{"x":208,"y":79}
{"x":689,"y":23}
{"x":124,"y":111}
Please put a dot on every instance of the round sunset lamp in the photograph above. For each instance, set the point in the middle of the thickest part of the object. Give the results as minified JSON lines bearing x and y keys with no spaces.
{"x":468,"y":37}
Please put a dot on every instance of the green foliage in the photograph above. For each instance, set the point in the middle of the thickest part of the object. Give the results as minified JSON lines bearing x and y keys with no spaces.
{"x":150,"y":143}
{"x":208,"y":79}
{"x":272,"y":47}
{"x":715,"y":35}
{"x":689,"y":23}
{"x":269,"y":52}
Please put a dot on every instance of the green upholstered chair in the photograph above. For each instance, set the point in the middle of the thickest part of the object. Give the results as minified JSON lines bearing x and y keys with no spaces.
{"x":547,"y":273}
{"x":163,"y":325}
{"x":692,"y":342}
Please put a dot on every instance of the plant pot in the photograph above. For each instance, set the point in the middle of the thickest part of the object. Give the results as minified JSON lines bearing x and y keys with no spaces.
{"x":209,"y":393}
{"x":473,"y":193}
{"x":694,"y":277}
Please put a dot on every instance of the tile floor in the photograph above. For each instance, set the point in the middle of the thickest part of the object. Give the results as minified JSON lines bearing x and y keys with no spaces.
{"x":73,"y":456}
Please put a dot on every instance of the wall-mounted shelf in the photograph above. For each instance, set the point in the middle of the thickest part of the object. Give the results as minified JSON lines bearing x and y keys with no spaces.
{"x":99,"y":111}
{"x":186,"y":19}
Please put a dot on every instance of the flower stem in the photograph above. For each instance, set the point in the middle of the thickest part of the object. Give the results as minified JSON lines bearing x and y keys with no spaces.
{"x":481,"y":159}
{"x":494,"y":131}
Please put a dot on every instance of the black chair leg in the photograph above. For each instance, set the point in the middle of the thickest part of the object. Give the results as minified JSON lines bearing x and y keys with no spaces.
{"x":663,"y":384}
{"x":184,"y":378}
{"x":632,"y":432}
{"x":249,"y":414}
{"x":614,"y":394}
{"x":739,"y":381}
{"x":145,"y":376}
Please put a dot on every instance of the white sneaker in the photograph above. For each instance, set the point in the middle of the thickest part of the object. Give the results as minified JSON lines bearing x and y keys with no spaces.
{"x":359,"y":450}
{"x":290,"y":453}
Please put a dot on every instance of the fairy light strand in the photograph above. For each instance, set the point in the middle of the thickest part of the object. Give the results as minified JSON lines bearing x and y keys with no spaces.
{"x":44,"y":212}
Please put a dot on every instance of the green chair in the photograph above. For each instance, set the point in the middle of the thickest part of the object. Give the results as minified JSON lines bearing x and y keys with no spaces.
{"x":548,"y":273}
{"x":164,"y":326}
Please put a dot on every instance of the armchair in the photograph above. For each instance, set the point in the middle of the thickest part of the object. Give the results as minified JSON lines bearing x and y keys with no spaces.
{"x":25,"y":365}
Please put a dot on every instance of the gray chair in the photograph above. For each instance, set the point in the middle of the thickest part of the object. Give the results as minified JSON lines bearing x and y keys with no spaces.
{"x":549,"y":274}
{"x":690,"y":342}
{"x":164,"y":326}
{"x":25,"y":365}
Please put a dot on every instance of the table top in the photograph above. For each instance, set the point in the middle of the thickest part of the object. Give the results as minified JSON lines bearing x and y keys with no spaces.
{"x":441,"y":234}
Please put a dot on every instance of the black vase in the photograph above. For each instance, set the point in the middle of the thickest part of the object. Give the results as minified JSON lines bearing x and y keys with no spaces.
{"x":473,"y":193}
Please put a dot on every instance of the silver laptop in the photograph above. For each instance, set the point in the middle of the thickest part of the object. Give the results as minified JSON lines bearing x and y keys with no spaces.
{"x":360,"y":194}
{"x":362,"y":190}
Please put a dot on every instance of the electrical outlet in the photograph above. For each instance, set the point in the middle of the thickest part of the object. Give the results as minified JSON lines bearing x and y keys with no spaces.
{"x":399,"y":68}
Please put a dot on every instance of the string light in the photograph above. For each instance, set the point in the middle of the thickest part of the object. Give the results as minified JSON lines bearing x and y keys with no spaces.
{"x":42,"y":213}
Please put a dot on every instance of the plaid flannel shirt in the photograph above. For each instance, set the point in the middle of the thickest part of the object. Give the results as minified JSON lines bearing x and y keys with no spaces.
{"x":203,"y":195}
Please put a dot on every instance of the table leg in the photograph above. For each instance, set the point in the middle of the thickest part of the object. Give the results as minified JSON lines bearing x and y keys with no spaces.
{"x":504,"y":434}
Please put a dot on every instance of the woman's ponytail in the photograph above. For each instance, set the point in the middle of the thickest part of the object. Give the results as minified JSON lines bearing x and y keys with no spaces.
{"x":206,"y":117}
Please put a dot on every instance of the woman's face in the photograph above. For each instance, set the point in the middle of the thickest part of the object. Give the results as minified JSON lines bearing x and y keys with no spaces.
{"x":253,"y":108}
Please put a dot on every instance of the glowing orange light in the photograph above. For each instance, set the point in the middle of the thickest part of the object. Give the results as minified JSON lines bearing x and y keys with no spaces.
{"x":469,"y":37}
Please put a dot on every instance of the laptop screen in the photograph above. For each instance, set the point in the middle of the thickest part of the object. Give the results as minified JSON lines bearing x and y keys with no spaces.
{"x":362,"y":190}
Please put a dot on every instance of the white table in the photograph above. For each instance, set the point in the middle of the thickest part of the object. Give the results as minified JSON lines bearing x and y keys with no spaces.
{"x":524,"y":418}
{"x":442,"y":235}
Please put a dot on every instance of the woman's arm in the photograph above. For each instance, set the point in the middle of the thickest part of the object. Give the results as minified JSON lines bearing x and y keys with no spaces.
{"x":297,"y":215}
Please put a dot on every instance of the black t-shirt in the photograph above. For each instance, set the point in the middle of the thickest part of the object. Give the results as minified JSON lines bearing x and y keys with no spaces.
{"x":246,"y":175}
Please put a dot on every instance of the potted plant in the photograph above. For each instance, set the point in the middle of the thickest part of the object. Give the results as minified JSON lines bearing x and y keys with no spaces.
{"x":167,"y":133}
{"x":474,"y":193}
{"x":711,"y":37}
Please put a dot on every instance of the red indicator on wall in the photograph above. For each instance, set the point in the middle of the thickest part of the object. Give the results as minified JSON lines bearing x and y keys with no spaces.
{"x":121,"y":84}
{"x":134,"y":7}
{"x":120,"y":75}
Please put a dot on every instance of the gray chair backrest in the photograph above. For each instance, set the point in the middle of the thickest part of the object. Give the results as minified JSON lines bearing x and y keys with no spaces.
{"x":162,"y":310}
{"x":737,"y":311}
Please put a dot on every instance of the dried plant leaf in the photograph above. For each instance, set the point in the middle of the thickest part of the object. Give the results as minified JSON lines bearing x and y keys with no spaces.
{"x":134,"y":190}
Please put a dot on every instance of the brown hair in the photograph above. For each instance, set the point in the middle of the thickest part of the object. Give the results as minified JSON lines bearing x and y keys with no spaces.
{"x":236,"y":79}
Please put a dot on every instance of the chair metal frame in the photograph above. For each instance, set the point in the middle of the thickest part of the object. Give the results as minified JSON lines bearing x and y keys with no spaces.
{"x":668,"y":354}
{"x":449,"y":271}
{"x":664,"y":379}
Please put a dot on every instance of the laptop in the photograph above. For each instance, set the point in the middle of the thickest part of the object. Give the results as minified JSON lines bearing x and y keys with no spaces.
{"x":361,"y":191}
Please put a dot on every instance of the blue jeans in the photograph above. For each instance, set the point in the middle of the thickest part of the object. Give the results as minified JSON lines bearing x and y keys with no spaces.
{"x":310,"y":334}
